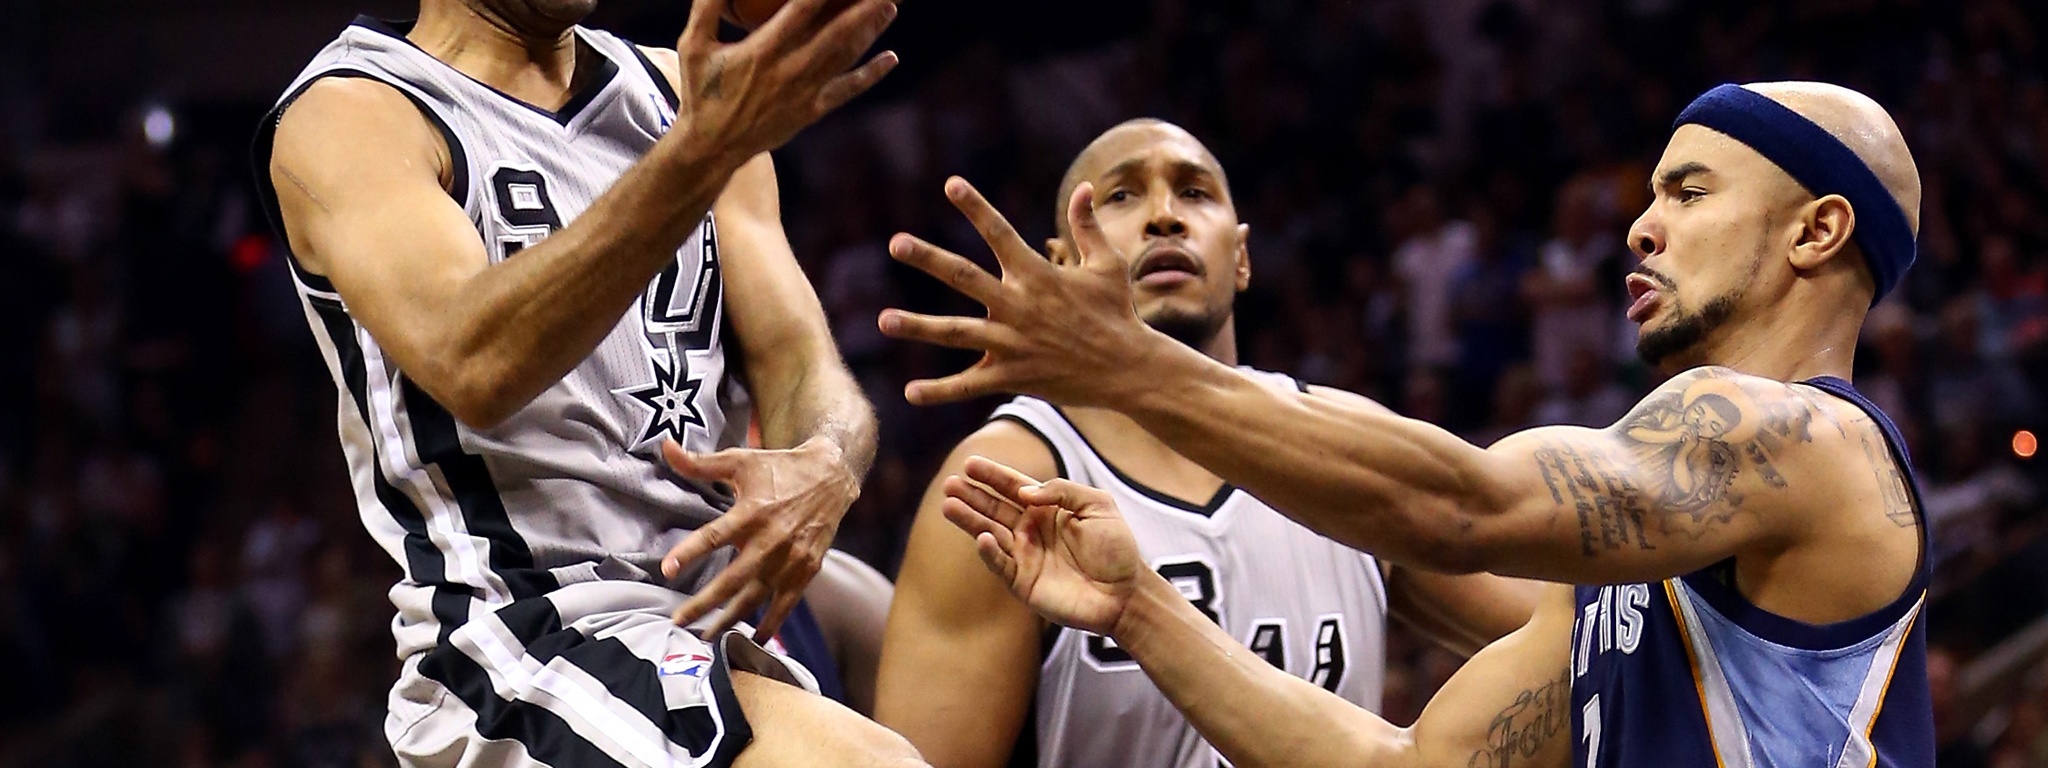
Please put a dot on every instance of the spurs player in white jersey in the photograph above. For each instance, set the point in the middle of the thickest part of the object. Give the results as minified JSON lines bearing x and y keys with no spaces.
{"x":540,"y":260}
{"x":974,"y":678}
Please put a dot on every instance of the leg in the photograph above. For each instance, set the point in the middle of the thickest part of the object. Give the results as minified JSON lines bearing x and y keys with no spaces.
{"x":794,"y":727}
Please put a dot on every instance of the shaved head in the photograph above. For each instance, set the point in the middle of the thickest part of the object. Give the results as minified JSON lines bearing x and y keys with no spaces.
{"x":1110,"y":145}
{"x":1863,"y":126}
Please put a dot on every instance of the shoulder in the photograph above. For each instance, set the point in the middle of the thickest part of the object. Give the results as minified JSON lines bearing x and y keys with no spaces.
{"x":1736,"y":406}
{"x":666,"y":60}
{"x":1013,"y":441}
{"x":357,"y":120}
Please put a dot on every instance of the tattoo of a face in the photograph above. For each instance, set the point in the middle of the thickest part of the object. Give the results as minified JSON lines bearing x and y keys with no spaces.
{"x":1683,"y":450}
{"x":1520,"y":731}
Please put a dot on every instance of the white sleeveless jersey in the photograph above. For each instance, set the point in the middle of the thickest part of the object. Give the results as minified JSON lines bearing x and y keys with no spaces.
{"x":1311,"y":606}
{"x":570,"y":488}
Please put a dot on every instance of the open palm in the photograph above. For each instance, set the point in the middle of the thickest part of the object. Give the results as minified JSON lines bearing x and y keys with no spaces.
{"x":1062,"y":547}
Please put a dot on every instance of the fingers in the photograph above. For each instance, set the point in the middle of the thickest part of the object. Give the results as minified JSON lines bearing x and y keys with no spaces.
{"x":699,"y":543}
{"x":1089,"y":240}
{"x":1065,"y":494}
{"x":974,"y":522}
{"x":978,"y":381}
{"x":957,"y":332}
{"x":737,"y":576}
{"x":956,"y":271}
{"x":1011,"y":251}
{"x":702,"y":28}
{"x":750,"y":598}
{"x":1000,"y":478}
{"x":778,"y":611}
{"x":844,"y":88}
{"x":1003,"y":511}
{"x":998,"y":560}
{"x":850,"y":33}
{"x":723,"y":465}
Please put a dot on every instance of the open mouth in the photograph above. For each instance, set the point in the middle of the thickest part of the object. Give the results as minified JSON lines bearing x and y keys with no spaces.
{"x":1643,"y":295}
{"x":1166,"y":265}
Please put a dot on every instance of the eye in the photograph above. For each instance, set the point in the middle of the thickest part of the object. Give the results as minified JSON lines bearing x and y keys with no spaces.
{"x":1116,"y":196}
{"x":1195,"y":193}
{"x":1689,"y":194}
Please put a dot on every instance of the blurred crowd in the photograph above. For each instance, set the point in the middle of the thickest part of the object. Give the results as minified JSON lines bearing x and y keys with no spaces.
{"x":1437,"y":193}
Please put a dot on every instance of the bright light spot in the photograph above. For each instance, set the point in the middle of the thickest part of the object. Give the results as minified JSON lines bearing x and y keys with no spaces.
{"x":2024,"y":445}
{"x":159,"y":127}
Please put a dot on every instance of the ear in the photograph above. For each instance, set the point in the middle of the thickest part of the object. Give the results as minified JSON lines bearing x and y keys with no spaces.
{"x":1826,"y":226}
{"x":1056,"y":251}
{"x":1244,"y":257}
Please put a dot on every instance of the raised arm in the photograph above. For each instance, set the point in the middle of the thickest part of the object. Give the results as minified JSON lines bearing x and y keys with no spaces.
{"x":960,"y":659}
{"x":1071,"y":557}
{"x":362,"y":185}
{"x":1693,"y":475}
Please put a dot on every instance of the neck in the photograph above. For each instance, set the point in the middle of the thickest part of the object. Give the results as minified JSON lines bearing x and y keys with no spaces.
{"x":1798,"y":340}
{"x":1223,"y":346}
{"x":531,"y":59}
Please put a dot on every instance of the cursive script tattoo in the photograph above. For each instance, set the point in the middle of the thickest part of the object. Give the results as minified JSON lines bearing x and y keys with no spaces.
{"x":1520,"y":731}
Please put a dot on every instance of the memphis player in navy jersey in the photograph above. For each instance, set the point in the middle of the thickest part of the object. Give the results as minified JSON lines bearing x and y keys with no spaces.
{"x":1747,"y":544}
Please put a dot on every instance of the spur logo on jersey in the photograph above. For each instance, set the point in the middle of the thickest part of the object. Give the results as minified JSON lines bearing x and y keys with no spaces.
{"x":1614,"y":621}
{"x":680,"y":310}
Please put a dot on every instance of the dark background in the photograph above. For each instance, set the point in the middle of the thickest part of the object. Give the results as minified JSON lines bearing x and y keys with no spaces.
{"x":1437,"y":191}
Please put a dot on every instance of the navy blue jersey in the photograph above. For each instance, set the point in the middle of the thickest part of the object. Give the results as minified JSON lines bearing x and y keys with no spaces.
{"x":801,"y":637}
{"x":1687,"y":673}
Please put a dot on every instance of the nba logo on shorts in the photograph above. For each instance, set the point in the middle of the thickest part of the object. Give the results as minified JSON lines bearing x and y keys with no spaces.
{"x":685,"y":664}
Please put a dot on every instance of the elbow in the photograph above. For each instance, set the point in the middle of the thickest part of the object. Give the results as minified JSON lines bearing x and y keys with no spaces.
{"x":477,"y":395}
{"x":1456,"y":539}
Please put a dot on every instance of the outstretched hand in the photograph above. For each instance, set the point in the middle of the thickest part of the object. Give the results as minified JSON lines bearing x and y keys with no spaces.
{"x":1066,"y":334}
{"x":787,"y":509}
{"x":1061,"y":546}
{"x":752,"y":96}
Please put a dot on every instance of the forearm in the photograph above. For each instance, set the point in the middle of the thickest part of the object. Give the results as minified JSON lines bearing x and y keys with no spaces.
{"x":1392,"y":486}
{"x":516,"y":328}
{"x":821,"y":402}
{"x":1252,"y":712}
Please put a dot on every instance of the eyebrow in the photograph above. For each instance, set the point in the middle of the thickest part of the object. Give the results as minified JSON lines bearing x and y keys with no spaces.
{"x":1680,"y":173}
{"x":1176,"y":168}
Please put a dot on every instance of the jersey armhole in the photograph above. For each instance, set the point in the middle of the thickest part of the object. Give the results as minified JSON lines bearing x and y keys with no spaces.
{"x":264,"y":145}
{"x":1059,"y":462}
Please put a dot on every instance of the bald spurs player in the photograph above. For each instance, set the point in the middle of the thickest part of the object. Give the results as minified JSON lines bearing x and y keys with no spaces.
{"x":974,"y":678}
{"x":514,"y":238}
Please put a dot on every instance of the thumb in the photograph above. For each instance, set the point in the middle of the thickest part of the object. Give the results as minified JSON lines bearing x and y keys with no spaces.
{"x":1065,"y":494}
{"x":723,"y":465}
{"x":1090,"y":244}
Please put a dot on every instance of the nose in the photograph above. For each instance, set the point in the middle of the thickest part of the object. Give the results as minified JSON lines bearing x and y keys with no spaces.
{"x":1164,"y":219}
{"x":1646,"y":235}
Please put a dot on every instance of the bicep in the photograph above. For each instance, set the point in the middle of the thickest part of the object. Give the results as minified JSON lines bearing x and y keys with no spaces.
{"x":1511,"y":703}
{"x":960,"y":657}
{"x":1693,"y":475}
{"x":358,"y":178}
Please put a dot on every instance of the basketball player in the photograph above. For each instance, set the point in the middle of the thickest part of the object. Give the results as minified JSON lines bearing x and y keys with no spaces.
{"x":514,"y":238}
{"x":1749,"y":538}
{"x":965,"y":664}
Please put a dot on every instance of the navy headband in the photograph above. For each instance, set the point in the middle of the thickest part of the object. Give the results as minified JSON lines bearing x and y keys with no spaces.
{"x":1821,"y":164}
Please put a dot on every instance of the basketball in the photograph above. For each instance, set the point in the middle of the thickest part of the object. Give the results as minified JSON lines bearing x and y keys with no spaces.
{"x":751,"y":13}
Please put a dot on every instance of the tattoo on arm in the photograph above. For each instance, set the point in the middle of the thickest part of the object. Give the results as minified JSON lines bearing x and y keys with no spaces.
{"x":1681,"y":451}
{"x":1521,"y":730}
